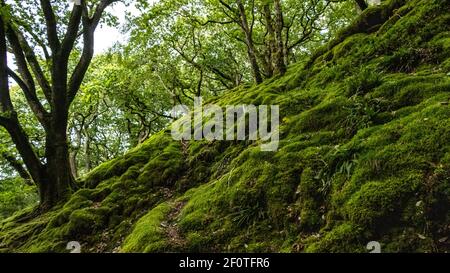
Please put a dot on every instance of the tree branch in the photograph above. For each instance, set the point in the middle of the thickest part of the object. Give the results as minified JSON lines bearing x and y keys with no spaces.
{"x":99,"y":12}
{"x":32,"y":100}
{"x":33,"y":62}
{"x":3,"y":121}
{"x":50,"y":21}
{"x":89,"y":26}
{"x":36,"y":38}
{"x":17,"y":166}
{"x":28,"y":81}
{"x":5,"y":98}
{"x":72,"y":30}
{"x":209,"y":21}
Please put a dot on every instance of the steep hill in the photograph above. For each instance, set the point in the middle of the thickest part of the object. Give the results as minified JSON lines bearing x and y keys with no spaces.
{"x":364,"y":155}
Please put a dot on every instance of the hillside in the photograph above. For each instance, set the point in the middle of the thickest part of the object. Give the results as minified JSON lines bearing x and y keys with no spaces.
{"x":364,"y":155}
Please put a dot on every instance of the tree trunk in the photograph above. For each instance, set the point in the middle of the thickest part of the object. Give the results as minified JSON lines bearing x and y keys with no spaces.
{"x":73,"y":163}
{"x":58,"y":175}
{"x":22,"y":143}
{"x":250,"y":45}
{"x":10,"y":121}
{"x":270,"y":43}
{"x":87,"y":153}
{"x":280,"y":65}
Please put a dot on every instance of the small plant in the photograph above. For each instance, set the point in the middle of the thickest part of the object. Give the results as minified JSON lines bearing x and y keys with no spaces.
{"x":361,"y":113}
{"x":363,"y":82}
{"x":406,"y":60}
{"x":347,"y":167}
{"x":248,"y":216}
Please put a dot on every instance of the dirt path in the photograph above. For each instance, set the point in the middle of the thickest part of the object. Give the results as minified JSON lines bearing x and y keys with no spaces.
{"x":171,"y":227}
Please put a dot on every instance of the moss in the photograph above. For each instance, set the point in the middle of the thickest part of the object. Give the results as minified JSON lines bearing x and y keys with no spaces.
{"x":343,"y":238}
{"x":324,"y":116}
{"x":120,"y":165}
{"x":376,"y":202}
{"x":164,"y":169}
{"x":86,"y":221}
{"x":196,"y":242}
{"x":148,"y":234}
{"x":309,"y":198}
{"x":363,"y":82}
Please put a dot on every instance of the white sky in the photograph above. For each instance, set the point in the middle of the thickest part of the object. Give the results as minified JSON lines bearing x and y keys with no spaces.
{"x":106,"y":37}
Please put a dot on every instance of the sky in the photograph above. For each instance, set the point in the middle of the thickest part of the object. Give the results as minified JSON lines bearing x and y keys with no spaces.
{"x":106,"y":37}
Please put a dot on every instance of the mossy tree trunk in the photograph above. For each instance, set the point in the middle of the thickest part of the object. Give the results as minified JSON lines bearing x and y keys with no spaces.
{"x":280,"y":65}
{"x":251,"y":50}
{"x":275,"y":44}
{"x":58,"y":174}
{"x":270,"y":42}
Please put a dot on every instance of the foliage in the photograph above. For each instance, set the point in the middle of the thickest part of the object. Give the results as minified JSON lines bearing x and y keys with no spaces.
{"x":15,"y":195}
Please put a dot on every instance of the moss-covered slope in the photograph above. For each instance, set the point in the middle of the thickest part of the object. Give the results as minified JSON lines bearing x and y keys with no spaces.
{"x":364,"y":156}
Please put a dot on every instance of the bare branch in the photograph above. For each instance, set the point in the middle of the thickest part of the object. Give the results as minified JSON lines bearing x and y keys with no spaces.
{"x":34,"y":64}
{"x":36,"y":38}
{"x":27,"y":80}
{"x":72,"y":30}
{"x":32,"y":99}
{"x":50,"y":21}
{"x":89,"y":26}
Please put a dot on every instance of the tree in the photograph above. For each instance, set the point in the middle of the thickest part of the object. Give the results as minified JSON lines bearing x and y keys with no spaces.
{"x":112,"y":113}
{"x":47,"y":80}
{"x":237,"y":41}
